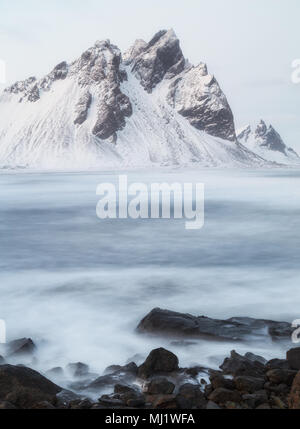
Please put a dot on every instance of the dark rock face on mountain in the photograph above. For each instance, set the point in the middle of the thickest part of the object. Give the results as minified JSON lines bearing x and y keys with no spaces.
{"x":82,"y":108}
{"x":194,"y":93}
{"x":197,"y":96}
{"x":100,"y":66}
{"x":270,"y":138}
{"x":160,"y":57}
{"x":164,"y":322}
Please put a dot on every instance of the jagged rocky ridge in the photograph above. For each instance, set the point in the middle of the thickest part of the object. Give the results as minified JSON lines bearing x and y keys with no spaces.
{"x":148,"y":107}
{"x":266,"y":142}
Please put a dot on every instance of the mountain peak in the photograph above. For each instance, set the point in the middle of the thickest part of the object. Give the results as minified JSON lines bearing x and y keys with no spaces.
{"x":151,"y":62}
{"x":267,"y":142}
{"x":151,"y":102}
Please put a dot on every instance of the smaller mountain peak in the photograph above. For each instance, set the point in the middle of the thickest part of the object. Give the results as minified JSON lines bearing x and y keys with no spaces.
{"x":261,"y":129}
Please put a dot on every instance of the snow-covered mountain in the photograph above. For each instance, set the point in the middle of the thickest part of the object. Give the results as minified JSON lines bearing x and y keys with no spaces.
{"x":267,"y":143}
{"x":147,"y":107}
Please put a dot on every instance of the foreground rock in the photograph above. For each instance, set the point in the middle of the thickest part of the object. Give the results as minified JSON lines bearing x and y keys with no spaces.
{"x":24,"y":387}
{"x":164,"y":322}
{"x":20,"y":347}
{"x":294,"y":398}
{"x":293,"y":358}
{"x":160,"y":361}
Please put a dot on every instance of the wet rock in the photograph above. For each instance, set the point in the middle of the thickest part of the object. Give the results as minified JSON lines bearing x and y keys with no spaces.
{"x":256,"y":358}
{"x":279,"y":403}
{"x":85,"y":404}
{"x":253,"y":400}
{"x":124,"y":388}
{"x":218,"y":380}
{"x":278,"y":389}
{"x":4,"y":405}
{"x":249,"y":384}
{"x":55,"y":372}
{"x":240,"y":365}
{"x":265,"y":406}
{"x":162,"y":401}
{"x":159,"y":361}
{"x":212,"y":406}
{"x":294,"y":397}
{"x":25,"y":387}
{"x":164,"y":322}
{"x":293,"y":358}
{"x":21,"y":347}
{"x":78,"y":369}
{"x":130,"y":395}
{"x":44,"y":405}
{"x":111,"y":401}
{"x":65,"y":397}
{"x":277,"y":364}
{"x":130,"y":368}
{"x":159,"y":386}
{"x":221,"y":396}
{"x":190,"y":396}
{"x":281,"y":376}
{"x":115,"y":375}
{"x":232,"y":406}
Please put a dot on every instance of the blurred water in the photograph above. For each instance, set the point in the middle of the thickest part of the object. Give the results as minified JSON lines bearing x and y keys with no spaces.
{"x":79,"y":286}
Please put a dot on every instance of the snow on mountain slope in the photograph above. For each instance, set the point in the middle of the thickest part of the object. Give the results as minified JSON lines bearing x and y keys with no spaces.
{"x":267,"y":143}
{"x":152,"y":108}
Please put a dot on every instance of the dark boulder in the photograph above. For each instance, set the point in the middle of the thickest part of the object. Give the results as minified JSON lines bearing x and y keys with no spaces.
{"x":253,"y":400}
{"x":78,"y":369}
{"x":277,"y":364}
{"x":221,"y":396}
{"x":160,"y":385}
{"x":293,"y":358}
{"x":159,"y":402}
{"x":281,"y":376}
{"x":114,"y":375}
{"x":24,"y":387}
{"x":249,"y":384}
{"x":21,"y":347}
{"x":4,"y":405}
{"x":218,"y":380}
{"x":241,"y":365}
{"x":294,"y":397}
{"x":190,"y":396}
{"x":55,"y":372}
{"x":159,"y":361}
{"x":169,"y":323}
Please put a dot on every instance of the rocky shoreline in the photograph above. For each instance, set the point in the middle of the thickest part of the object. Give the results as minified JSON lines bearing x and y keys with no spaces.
{"x":242,"y":381}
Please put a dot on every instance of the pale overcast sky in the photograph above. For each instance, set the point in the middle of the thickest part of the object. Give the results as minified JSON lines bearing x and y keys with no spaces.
{"x":248,"y":44}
